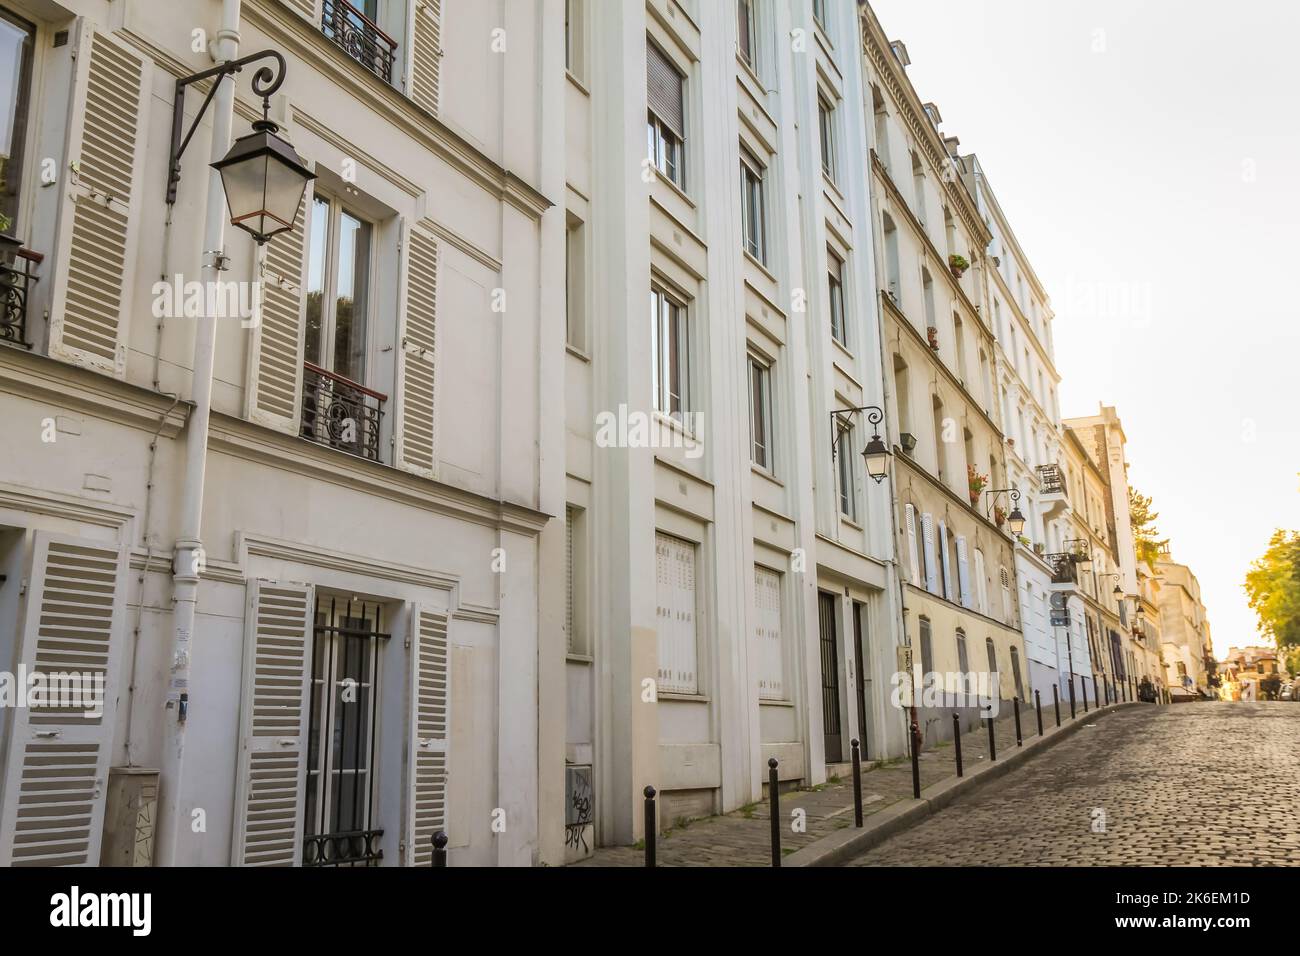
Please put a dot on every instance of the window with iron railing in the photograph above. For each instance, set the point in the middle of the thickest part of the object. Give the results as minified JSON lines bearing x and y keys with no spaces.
{"x":17,"y":276}
{"x":1051,"y":479}
{"x":353,"y":27}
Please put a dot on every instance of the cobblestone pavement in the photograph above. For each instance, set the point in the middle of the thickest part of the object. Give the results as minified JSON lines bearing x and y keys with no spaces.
{"x":1202,"y":784}
{"x":743,"y":837}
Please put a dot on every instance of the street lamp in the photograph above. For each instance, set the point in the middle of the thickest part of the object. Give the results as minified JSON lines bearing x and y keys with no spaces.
{"x":1015,"y":520}
{"x":263,"y":176}
{"x":877,"y":452}
{"x":1082,"y":556}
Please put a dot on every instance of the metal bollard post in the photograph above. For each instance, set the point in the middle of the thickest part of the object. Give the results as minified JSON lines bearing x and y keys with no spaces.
{"x":993,"y":743}
{"x":439,"y":848}
{"x":857,"y":785}
{"x":1083,"y":686}
{"x":1096,"y":691}
{"x":1056,"y":703}
{"x":774,"y":792}
{"x":1072,"y":697}
{"x":651,"y":827}
{"x":1038,"y":707}
{"x":1015,"y":703}
{"x":956,"y":740}
{"x":916,"y":760}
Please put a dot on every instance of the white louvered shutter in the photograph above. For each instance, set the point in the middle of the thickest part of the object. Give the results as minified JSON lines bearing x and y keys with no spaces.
{"x":931,"y":566}
{"x":675,"y":601}
{"x":981,"y":584}
{"x":1005,"y":580}
{"x":415,"y":428}
{"x":963,"y":572}
{"x":913,"y":556}
{"x":73,"y":622}
{"x":768,"y":647}
{"x":429,"y":733}
{"x":99,"y":212}
{"x":425,"y":60}
{"x":947,"y":562}
{"x":309,"y":10}
{"x":272,"y":775}
{"x":273,"y":396}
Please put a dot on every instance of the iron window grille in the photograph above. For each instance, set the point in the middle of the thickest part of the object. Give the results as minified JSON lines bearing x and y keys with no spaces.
{"x":1051,"y":480}
{"x":359,"y":36}
{"x":15,"y":291}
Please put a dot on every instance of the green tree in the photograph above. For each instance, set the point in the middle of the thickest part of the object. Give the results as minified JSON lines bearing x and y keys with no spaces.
{"x":1143,"y":520}
{"x":1273,"y":589}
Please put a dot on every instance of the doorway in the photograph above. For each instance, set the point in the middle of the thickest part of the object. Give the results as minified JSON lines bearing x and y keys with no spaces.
{"x":831,"y":727}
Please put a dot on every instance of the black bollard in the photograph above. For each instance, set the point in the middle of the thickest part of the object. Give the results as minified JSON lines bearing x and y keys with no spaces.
{"x":956,"y":740}
{"x":774,"y":792}
{"x":1015,"y":703}
{"x":1038,"y":707}
{"x":993,"y":743}
{"x":1096,"y":691}
{"x":916,"y":761}
{"x":1056,"y":703}
{"x":439,"y":848}
{"x":1072,"y":697}
{"x":651,"y":827}
{"x":1083,"y":686}
{"x":857,"y":785}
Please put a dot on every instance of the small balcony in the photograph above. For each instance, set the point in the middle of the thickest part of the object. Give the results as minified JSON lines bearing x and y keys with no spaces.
{"x":341,"y":413}
{"x":1064,"y":571}
{"x":354,"y":848}
{"x":360,"y":37}
{"x":17,"y":276}
{"x":1051,"y":485}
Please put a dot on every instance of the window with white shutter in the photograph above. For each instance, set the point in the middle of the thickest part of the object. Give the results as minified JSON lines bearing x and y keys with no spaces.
{"x":428,"y":768}
{"x":913,"y":555}
{"x":99,"y":211}
{"x":675,"y":601}
{"x":963,"y":573}
{"x":72,"y":622}
{"x":981,"y":584}
{"x":769,"y":647}
{"x":1006,"y":594}
{"x":272,"y":769}
{"x":425,"y":54}
{"x":946,"y":563}
{"x":415,"y":431}
{"x":931,"y":563}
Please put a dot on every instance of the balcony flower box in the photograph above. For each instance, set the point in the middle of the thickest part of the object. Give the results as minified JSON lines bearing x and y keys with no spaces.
{"x":957,"y":265}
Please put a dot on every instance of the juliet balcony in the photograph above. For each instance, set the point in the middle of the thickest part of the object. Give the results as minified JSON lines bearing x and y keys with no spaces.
{"x":17,"y":276}
{"x":341,"y":413}
{"x":1052,"y":493}
{"x":360,"y":37}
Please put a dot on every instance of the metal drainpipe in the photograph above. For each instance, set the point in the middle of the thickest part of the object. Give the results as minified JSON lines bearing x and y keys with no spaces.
{"x":189,"y":556}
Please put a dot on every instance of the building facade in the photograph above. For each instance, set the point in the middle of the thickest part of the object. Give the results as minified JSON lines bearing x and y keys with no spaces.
{"x":1185,"y":637}
{"x":317,"y":611}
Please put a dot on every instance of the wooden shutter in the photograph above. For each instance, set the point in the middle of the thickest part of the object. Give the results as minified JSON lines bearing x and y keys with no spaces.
{"x":72,"y":622}
{"x":767,"y":634}
{"x":428,"y":756}
{"x":675,"y":601}
{"x":309,"y":10}
{"x":963,"y":572}
{"x":415,"y":425}
{"x":425,"y":60}
{"x":913,"y":556}
{"x":664,"y":90}
{"x":931,"y":566}
{"x":99,"y":212}
{"x":1006,"y":595}
{"x":946,"y":561}
{"x":272,"y":773}
{"x":273,"y":396}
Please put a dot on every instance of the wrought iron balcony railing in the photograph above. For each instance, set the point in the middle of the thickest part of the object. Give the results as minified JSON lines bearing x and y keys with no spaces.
{"x":16,"y":279}
{"x":356,"y":848}
{"x":1051,"y":480}
{"x":360,"y":37}
{"x":341,"y":413}
{"x":1063,"y":568}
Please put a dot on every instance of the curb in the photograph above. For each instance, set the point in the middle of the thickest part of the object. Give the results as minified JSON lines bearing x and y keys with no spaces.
{"x":879,"y":827}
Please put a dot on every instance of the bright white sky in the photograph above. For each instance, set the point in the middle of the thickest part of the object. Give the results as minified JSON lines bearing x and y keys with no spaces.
{"x":1147,"y":155}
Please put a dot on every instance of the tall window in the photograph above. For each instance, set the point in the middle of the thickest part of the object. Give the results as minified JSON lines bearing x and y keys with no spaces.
{"x":963,"y":662}
{"x":672,"y":365}
{"x":575,"y":559}
{"x":826,"y":129}
{"x":918,"y":188}
{"x":675,"y":602}
{"x":995,"y":683}
{"x":760,"y":413}
{"x":666,"y":123}
{"x":927,"y":651}
{"x":575,"y":284}
{"x":880,"y":119}
{"x":893,"y":270}
{"x":835,"y":268}
{"x":819,"y":12}
{"x":338,"y":289}
{"x":844,"y":463}
{"x":746,"y":38}
{"x":16,"y":41}
{"x":753,"y":206}
{"x":574,"y":38}
{"x":767,"y":634}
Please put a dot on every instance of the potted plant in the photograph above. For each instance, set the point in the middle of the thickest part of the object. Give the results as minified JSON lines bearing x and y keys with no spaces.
{"x":1023,"y":540}
{"x":999,"y":515}
{"x":1038,"y":547}
{"x":977,"y":483}
{"x":8,"y":244}
{"x":932,"y":335}
{"x":958,"y":264}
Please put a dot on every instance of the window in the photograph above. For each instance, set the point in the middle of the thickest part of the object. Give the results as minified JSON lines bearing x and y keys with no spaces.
{"x":835,"y":269}
{"x":671,"y":355}
{"x":753,"y":206}
{"x":844,"y":463}
{"x":665,"y":89}
{"x":992,"y":652}
{"x":675,"y":615}
{"x":826,"y":129}
{"x":880,"y":118}
{"x":17,"y":39}
{"x":940,"y":440}
{"x":575,"y":285}
{"x":981,"y":584}
{"x":819,"y":12}
{"x":963,"y":662}
{"x":927,"y":652}
{"x":351,"y":24}
{"x":959,"y":345}
{"x":767,"y":634}
{"x":893,"y":271}
{"x":341,"y":770}
{"x":746,"y":38}
{"x":575,"y":60}
{"x":918,"y":188}
{"x":575,"y":560}
{"x":760,"y":413}
{"x":902,"y":395}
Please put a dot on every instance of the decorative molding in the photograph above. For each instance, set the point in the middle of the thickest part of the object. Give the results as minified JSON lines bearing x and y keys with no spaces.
{"x":477,"y":613}
{"x":252,"y":544}
{"x":352,"y":150}
{"x":57,"y":504}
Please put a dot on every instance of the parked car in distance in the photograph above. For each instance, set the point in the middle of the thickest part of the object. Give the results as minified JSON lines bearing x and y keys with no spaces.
{"x":1287,"y":693}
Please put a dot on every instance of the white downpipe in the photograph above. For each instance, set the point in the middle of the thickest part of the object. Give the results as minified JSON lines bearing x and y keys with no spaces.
{"x":189,"y":556}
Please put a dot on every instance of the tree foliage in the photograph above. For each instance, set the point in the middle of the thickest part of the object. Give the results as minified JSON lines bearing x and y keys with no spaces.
{"x":1273,"y":589}
{"x":1143,"y":520}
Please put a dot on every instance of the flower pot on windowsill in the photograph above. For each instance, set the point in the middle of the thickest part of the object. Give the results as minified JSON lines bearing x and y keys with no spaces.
{"x":932,"y":336}
{"x":957,"y":265}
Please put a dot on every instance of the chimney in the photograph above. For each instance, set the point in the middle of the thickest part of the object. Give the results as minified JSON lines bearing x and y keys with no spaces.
{"x":900,"y":53}
{"x":952,"y":142}
{"x":932,"y":111}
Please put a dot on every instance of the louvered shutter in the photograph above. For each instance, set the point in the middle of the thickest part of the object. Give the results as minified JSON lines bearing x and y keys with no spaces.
{"x":981,"y":584}
{"x":307,"y":9}
{"x":664,"y":90}
{"x":1006,"y":595}
{"x":428,"y":756}
{"x":913,"y":556}
{"x":675,"y":601}
{"x":72,"y":622}
{"x":425,"y":59}
{"x":415,"y":428}
{"x":272,"y":774}
{"x":931,"y":567}
{"x":99,"y":213}
{"x":963,"y":572}
{"x":767,"y":634}
{"x":273,"y":396}
{"x":947,"y":563}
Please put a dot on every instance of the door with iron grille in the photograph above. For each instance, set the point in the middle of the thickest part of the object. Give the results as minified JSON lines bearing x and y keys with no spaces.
{"x":341,"y":828}
{"x":830,"y":677}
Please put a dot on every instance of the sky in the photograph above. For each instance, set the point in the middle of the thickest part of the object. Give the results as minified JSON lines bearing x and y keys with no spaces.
{"x":1147,"y":156}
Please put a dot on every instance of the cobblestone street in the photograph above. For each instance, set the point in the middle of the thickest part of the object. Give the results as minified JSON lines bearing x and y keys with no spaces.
{"x":1204,"y":784}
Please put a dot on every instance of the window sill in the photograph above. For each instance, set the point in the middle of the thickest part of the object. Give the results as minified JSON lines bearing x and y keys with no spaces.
{"x":662,"y":177}
{"x":766,"y":473}
{"x":844,"y":348}
{"x":769,"y":702}
{"x":577,"y":353}
{"x":684,"y":698}
{"x":675,"y":425}
{"x":572,"y":658}
{"x":573,"y":78}
{"x":851,"y":522}
{"x":758,"y":264}
{"x":749,"y":71}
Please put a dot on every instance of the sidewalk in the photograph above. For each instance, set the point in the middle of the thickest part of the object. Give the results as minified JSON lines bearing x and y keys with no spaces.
{"x":743,"y":837}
